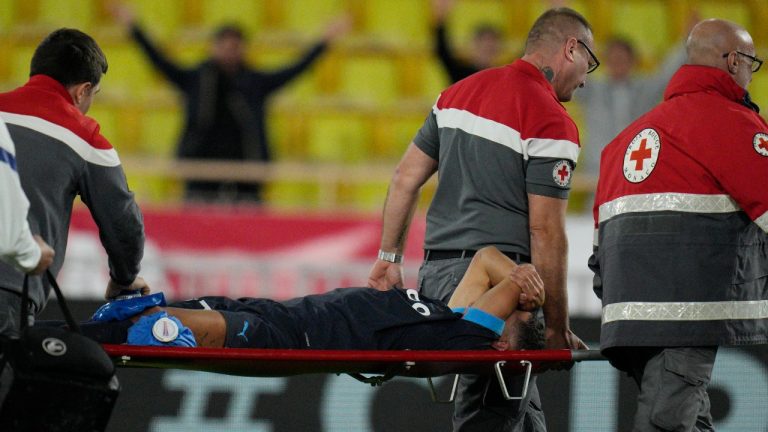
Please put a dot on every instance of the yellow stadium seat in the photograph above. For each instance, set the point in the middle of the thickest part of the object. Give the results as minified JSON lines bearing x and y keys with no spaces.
{"x":367,"y":196}
{"x":468,"y":14}
{"x":393,"y":133}
{"x":309,"y":16}
{"x":758,"y":91}
{"x":8,"y":14}
{"x":733,"y":10}
{"x":130,"y":74}
{"x":108,"y":119}
{"x":436,"y":79}
{"x":338,"y":137}
{"x":287,"y":131}
{"x":152,"y":189}
{"x":73,"y":13}
{"x":286,"y":194}
{"x":160,"y":131}
{"x":369,"y":78}
{"x":405,"y":21}
{"x":644,"y":22}
{"x":21,"y":56}
{"x":162,"y":18}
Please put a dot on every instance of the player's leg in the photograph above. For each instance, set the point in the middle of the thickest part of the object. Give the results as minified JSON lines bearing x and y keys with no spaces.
{"x":488,"y":268}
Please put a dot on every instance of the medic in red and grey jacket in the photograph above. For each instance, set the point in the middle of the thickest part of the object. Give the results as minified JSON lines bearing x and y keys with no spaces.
{"x":61,"y":154}
{"x":681,"y":214}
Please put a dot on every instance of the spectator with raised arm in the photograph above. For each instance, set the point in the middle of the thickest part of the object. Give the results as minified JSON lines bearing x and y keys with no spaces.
{"x":485,"y":48}
{"x":225,"y":101}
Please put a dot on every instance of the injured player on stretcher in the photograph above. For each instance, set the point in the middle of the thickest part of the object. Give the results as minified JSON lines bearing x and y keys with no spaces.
{"x":492,"y":307}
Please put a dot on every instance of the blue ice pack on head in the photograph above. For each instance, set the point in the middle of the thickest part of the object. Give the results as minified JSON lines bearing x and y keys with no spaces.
{"x":119,"y":310}
{"x":160,"y":329}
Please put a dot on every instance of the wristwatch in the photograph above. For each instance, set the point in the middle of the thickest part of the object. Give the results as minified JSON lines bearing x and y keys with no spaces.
{"x":392,"y":257}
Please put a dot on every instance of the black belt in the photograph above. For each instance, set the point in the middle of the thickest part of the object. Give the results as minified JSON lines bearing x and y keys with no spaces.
{"x":436,"y":255}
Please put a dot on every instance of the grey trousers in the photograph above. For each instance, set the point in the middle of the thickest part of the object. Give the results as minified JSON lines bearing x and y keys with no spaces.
{"x":673,"y":390}
{"x":479,"y":403}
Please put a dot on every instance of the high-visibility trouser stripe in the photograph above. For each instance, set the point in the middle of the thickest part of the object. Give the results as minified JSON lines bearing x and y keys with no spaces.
{"x":685,"y":311}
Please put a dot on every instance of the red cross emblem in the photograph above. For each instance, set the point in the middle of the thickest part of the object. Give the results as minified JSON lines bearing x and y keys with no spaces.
{"x":561,"y":174}
{"x":760,"y":142}
{"x":641,"y":155}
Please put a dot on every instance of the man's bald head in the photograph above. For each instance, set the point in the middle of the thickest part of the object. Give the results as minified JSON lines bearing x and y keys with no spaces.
{"x":714,"y":43}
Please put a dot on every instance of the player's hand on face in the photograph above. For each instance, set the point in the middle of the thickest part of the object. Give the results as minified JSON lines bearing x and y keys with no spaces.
{"x":531,"y":285}
{"x":384,"y":275}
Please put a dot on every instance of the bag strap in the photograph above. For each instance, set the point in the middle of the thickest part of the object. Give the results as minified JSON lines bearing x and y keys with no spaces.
{"x":73,"y":325}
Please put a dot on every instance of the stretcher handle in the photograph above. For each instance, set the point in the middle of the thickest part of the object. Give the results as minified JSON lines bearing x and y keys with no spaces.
{"x":587,"y":355}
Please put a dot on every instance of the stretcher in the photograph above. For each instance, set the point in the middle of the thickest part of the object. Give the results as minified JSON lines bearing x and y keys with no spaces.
{"x":384,"y":365}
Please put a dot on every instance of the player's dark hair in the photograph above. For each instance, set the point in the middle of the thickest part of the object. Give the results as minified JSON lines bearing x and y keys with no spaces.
{"x":70,"y":57}
{"x":532,"y":334}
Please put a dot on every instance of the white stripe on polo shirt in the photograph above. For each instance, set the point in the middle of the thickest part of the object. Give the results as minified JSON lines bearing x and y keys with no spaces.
{"x":505,"y":135}
{"x":101,"y":157}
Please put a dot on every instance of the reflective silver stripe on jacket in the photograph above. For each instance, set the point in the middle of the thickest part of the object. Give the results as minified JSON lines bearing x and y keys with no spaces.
{"x":682,"y":202}
{"x":762,"y":221}
{"x":685,"y":311}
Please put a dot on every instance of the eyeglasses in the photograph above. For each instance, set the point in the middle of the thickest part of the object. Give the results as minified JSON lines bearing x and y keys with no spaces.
{"x":756,"y":62}
{"x":594,"y":63}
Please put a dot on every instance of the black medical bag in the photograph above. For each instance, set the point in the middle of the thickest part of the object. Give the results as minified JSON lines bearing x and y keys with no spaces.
{"x":55,"y":379}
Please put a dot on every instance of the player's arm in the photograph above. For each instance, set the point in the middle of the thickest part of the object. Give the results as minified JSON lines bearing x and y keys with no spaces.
{"x":497,"y":285}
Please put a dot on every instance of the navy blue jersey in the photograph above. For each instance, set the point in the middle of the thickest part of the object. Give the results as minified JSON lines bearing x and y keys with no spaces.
{"x":346,"y":318}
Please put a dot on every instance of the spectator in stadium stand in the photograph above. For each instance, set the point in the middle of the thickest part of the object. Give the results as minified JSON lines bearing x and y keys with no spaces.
{"x":621,"y":95}
{"x":225,"y":101}
{"x":682,"y":216}
{"x":486,"y":45}
{"x":60,"y":154}
{"x":18,"y":247}
{"x":505,"y":148}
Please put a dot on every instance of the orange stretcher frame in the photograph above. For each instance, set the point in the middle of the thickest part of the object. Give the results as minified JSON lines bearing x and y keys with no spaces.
{"x":387,"y":364}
